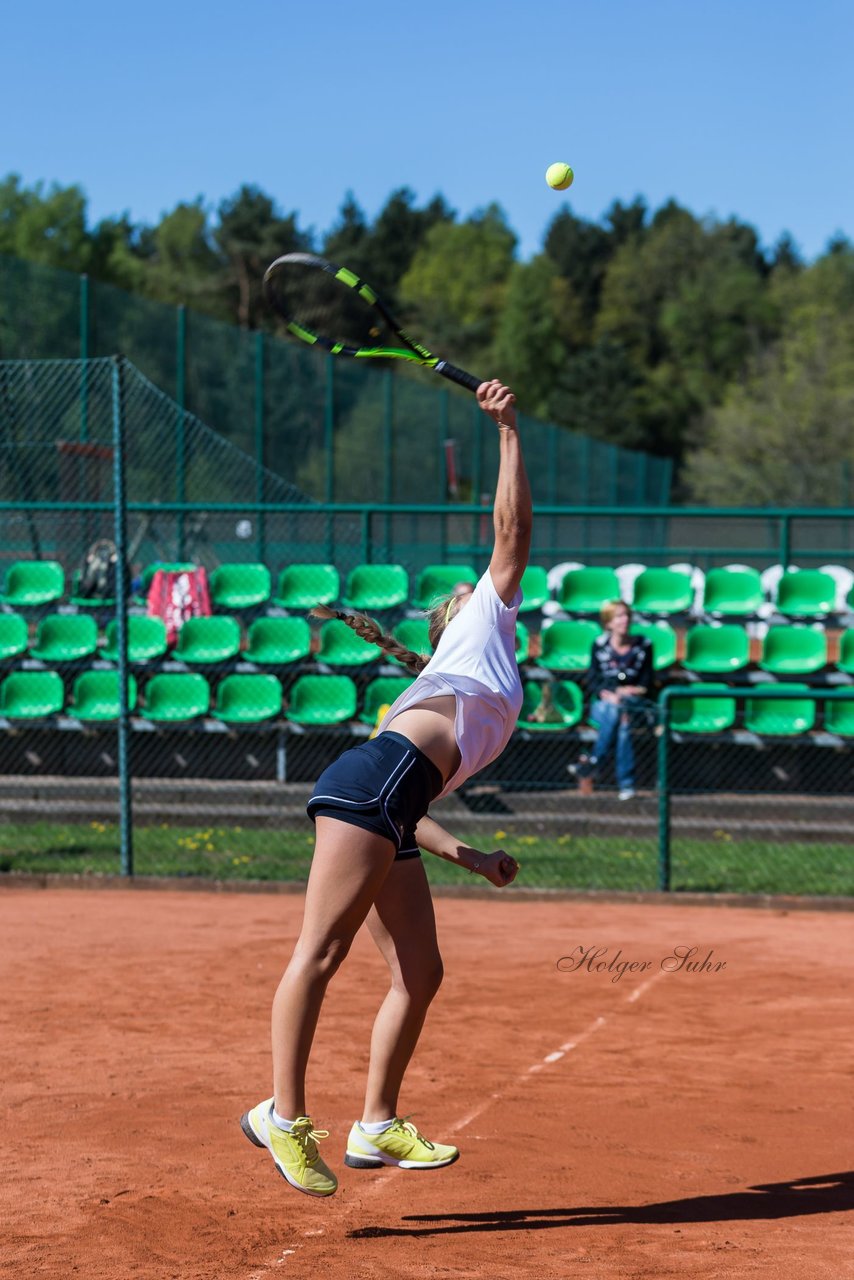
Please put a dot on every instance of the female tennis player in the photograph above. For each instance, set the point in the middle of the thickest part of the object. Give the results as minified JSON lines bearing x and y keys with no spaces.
{"x":370,"y":811}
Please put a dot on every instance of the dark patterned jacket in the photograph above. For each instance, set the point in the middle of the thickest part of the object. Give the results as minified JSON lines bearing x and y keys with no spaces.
{"x":610,"y":670}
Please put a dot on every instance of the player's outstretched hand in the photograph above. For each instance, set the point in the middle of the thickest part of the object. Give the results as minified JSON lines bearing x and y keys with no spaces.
{"x":499,"y":868}
{"x":498,"y":401}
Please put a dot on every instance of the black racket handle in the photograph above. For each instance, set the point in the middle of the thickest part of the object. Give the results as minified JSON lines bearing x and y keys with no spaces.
{"x":467,"y":380}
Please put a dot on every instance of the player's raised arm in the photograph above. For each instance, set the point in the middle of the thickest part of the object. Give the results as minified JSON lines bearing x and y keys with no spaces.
{"x":512,"y":510}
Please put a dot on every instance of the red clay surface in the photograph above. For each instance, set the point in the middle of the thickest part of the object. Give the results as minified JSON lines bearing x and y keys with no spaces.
{"x":692,"y":1125}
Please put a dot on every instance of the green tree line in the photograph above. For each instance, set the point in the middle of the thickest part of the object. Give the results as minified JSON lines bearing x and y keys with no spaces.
{"x":650,"y":329}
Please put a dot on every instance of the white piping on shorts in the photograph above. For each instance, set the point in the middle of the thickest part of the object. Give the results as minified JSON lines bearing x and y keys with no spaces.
{"x":387,"y":786}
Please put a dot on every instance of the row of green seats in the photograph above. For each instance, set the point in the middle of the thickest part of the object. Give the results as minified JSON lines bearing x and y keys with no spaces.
{"x":768,"y":716}
{"x":787,"y":649}
{"x":270,"y":641}
{"x":730,"y":591}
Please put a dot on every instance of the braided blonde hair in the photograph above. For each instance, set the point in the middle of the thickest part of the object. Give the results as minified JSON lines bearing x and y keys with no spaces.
{"x":438,"y":618}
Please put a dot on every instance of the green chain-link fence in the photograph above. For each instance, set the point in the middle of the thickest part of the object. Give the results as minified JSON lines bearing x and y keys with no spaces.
{"x":232,"y":715}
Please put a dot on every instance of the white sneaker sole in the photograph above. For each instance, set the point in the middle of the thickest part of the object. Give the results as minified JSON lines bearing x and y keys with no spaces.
{"x":365,"y":1160}
{"x":258,"y":1140}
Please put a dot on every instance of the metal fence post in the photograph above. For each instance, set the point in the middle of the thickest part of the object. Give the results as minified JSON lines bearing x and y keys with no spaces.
{"x":181,"y":438}
{"x":664,"y":792}
{"x":261,"y":539}
{"x":120,"y":518}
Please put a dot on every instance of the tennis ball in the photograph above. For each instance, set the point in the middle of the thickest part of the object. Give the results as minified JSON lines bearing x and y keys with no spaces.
{"x":559,"y":176}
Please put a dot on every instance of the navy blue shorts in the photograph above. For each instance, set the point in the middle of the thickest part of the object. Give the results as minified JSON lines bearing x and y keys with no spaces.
{"x":384,"y":785}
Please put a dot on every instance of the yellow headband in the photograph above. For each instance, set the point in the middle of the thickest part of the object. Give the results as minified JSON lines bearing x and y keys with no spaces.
{"x":448,"y":610}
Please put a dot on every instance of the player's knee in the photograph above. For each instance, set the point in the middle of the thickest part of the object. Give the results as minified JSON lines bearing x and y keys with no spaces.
{"x":321,"y":957}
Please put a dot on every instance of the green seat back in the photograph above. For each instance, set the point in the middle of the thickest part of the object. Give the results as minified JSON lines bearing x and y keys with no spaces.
{"x":586,"y":590}
{"x":66,"y":637}
{"x":566,"y":645}
{"x":341,"y":647}
{"x":96,"y":695}
{"x":414,"y":634}
{"x":663,"y":638}
{"x":794,"y":650}
{"x":715,"y":650}
{"x":181,"y":696}
{"x":663,"y":591}
{"x":239,"y":586}
{"x":689,"y":714}
{"x":561,"y":703}
{"x":33,"y":582}
{"x":278,"y":641}
{"x":806,"y":593}
{"x":776,"y":717}
{"x":215,"y":639}
{"x":302,"y":586}
{"x":376,"y":586}
{"x":845,"y":661}
{"x":13,"y":635}
{"x":248,"y":699}
{"x":146,"y":639}
{"x":29,"y":695}
{"x":320,"y":699}
{"x":438,"y":580}
{"x":732,"y":591}
{"x":380,"y":693}
{"x":523,"y":642}
{"x":535,"y":588}
{"x":839,"y":715}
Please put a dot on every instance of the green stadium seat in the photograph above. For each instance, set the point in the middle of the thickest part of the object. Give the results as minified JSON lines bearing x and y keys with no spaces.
{"x":177,"y":697}
{"x":302,"y":586}
{"x":65,"y":637}
{"x":664,"y":642}
{"x":96,"y":695}
{"x":146,"y":639}
{"x":663,"y":591}
{"x":565,"y":645}
{"x":437,"y":580}
{"x":31,"y":583}
{"x":248,"y":699}
{"x":30,"y":695}
{"x":382,"y":692}
{"x":716,"y":650}
{"x":523,"y":642}
{"x":207,"y":640}
{"x":320,"y":699}
{"x":839,"y":715}
{"x":702,"y":715}
{"x":376,"y":586}
{"x":13,"y":636}
{"x":806,"y":593}
{"x":733,"y":592}
{"x":341,"y":647}
{"x":414,"y":634}
{"x":791,"y":650}
{"x":774,"y":717}
{"x":561,"y":701}
{"x":87,"y":602}
{"x":845,"y":661}
{"x":586,"y":590}
{"x":239,"y":586}
{"x":535,"y":588}
{"x":278,"y":641}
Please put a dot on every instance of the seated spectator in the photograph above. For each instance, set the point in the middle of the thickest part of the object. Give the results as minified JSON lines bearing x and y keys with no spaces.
{"x":619,"y":678}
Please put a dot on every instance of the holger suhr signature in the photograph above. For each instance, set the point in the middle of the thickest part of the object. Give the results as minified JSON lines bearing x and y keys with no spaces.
{"x":681,"y":959}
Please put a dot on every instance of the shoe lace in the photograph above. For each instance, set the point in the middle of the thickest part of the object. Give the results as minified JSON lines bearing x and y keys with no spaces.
{"x":402,"y":1124}
{"x":308,"y":1137}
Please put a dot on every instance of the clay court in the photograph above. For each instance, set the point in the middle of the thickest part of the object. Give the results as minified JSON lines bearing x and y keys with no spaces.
{"x":666,"y":1123}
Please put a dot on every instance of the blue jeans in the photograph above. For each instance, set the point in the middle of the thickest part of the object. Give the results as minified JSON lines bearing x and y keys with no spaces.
{"x":614,"y":722}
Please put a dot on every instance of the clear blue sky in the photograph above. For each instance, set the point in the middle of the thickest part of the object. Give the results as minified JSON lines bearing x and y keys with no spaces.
{"x":738,"y":107}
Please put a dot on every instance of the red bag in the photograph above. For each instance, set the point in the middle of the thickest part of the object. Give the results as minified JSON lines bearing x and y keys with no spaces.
{"x":177,"y":596}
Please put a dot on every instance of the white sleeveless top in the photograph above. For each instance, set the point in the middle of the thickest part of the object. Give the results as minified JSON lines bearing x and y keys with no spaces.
{"x":475,"y":660}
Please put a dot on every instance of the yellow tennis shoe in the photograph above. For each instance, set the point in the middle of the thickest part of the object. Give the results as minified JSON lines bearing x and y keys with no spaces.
{"x":294,"y":1153}
{"x":401,"y":1145}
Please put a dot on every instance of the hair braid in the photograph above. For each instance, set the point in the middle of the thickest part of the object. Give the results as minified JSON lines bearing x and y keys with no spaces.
{"x":371,"y":631}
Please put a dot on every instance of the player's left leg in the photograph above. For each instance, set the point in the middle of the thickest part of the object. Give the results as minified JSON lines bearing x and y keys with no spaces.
{"x":403,"y":925}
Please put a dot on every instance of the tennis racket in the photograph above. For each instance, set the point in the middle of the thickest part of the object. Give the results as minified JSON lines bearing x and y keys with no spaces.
{"x":329,"y":306}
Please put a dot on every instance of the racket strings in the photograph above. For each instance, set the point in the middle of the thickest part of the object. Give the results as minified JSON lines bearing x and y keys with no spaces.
{"x":316,"y":302}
